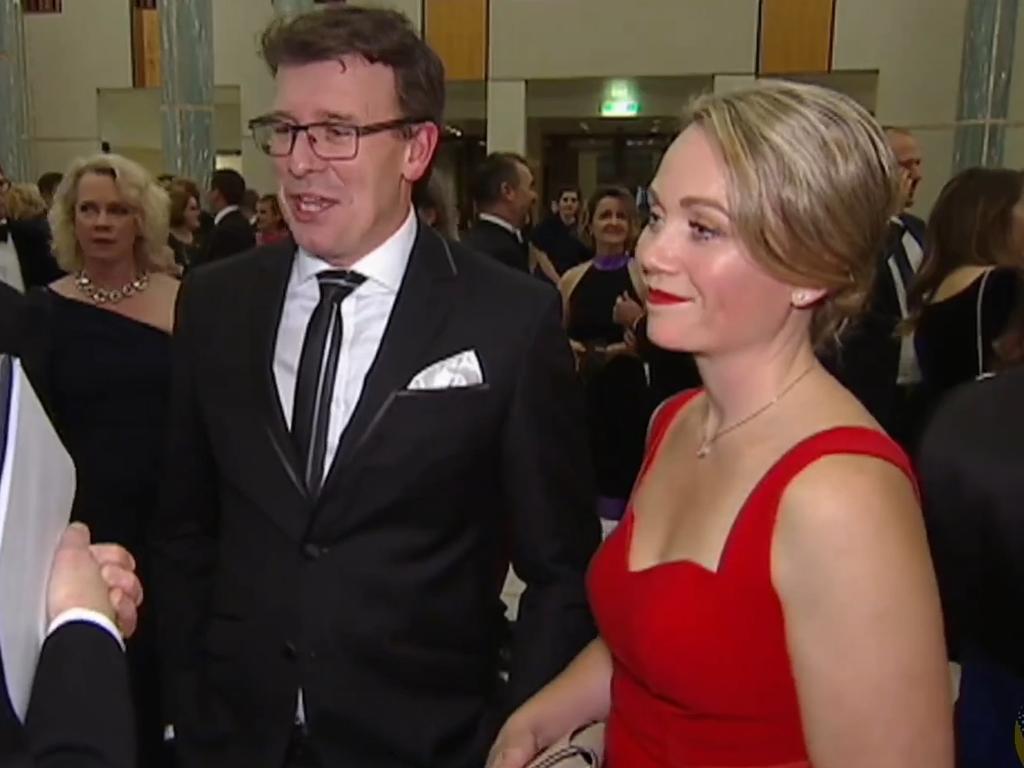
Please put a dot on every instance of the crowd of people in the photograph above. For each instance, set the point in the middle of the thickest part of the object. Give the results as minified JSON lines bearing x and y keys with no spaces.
{"x":325,"y":424}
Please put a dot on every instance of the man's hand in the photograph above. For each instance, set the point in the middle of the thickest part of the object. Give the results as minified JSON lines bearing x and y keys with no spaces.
{"x":98,"y":578}
{"x":626,"y":311}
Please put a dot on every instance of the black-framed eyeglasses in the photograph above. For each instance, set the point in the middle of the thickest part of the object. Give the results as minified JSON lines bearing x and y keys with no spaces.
{"x":329,"y":139}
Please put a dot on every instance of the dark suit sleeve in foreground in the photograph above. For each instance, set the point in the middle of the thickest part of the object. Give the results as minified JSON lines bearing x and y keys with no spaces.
{"x":80,"y":714}
{"x":549,"y":489}
{"x":184,"y":530}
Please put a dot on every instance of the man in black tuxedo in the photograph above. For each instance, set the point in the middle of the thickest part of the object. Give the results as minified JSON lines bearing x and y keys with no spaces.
{"x":232,"y":233}
{"x":874,"y":361}
{"x":504,"y":194}
{"x":80,"y":713}
{"x":367,"y":424}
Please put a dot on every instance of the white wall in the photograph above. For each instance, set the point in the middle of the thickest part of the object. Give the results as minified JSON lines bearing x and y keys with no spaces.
{"x":70,"y":55}
{"x":609,"y":38}
{"x":237,"y":26}
{"x":918,"y":71}
{"x":413,"y":9}
{"x":131,"y":120}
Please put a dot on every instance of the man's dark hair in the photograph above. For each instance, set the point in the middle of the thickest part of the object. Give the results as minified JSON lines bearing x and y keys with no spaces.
{"x":497,"y":169}
{"x":48,"y":183}
{"x":230,"y":184}
{"x":250,"y":199}
{"x":377,"y":35}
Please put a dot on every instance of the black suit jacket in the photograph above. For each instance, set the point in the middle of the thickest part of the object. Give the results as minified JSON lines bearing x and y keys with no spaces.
{"x":498,"y":243}
{"x":31,"y":239}
{"x":380,"y":598}
{"x":232,"y":235}
{"x":867,"y":360}
{"x":80,"y":713}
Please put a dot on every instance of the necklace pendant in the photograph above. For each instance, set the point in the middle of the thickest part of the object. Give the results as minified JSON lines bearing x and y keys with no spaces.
{"x":704,"y":450}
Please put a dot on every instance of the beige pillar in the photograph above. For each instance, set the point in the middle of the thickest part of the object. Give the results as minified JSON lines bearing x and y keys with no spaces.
{"x":588,"y":178}
{"x":506,"y":116}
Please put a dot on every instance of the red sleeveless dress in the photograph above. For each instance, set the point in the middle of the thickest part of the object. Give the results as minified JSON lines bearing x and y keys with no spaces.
{"x":702,"y":676}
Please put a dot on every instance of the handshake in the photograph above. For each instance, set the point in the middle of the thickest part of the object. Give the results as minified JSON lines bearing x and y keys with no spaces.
{"x":94,"y":577}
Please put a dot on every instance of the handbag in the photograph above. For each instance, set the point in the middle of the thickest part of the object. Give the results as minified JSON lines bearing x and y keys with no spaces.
{"x":582,"y":748}
{"x":980,"y":341}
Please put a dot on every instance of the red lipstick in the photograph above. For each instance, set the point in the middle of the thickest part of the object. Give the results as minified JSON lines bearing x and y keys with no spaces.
{"x":656,"y":296}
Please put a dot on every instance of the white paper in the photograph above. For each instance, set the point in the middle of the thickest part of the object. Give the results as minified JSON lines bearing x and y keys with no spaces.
{"x":37,"y":487}
{"x":10,"y":269}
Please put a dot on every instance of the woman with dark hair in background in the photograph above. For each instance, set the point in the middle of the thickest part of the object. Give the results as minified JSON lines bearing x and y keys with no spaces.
{"x":614,"y":378}
{"x":969,"y":281}
{"x":270,"y":224}
{"x":185,"y":221}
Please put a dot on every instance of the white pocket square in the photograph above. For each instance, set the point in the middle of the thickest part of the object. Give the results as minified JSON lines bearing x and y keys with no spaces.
{"x":460,"y":370}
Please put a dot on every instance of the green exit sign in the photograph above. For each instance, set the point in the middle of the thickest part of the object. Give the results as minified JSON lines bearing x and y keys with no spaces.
{"x":620,"y":108}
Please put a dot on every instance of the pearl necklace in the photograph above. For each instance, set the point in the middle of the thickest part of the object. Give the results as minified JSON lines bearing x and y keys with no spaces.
{"x":103,"y":296}
{"x":707,"y":442}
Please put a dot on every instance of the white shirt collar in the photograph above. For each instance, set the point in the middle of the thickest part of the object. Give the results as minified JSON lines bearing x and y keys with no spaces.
{"x":385,"y":265}
{"x":224,"y":212}
{"x":501,"y":223}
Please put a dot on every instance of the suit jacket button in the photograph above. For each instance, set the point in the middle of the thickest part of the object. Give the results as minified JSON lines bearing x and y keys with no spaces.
{"x":312,"y":551}
{"x":290,"y":651}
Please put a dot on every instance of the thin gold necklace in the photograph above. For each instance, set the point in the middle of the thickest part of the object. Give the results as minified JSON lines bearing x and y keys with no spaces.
{"x":707,"y":442}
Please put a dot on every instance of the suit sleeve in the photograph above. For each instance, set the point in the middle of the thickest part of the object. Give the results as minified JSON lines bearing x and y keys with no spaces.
{"x":549,"y":488}
{"x":80,"y":714}
{"x":185,"y":526}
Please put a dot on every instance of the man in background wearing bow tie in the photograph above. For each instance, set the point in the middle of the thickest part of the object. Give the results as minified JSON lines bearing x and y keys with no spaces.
{"x":367,"y":424}
{"x":504,"y":195}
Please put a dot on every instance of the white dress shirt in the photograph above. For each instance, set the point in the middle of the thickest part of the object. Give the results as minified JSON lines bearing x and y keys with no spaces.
{"x":86,"y":615}
{"x":501,"y":223}
{"x":364,"y":315}
{"x":909,"y":371}
{"x":222,"y":213}
{"x":10,"y":267}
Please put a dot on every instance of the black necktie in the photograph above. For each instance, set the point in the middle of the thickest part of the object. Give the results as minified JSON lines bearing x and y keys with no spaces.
{"x":318,"y":368}
{"x":3,"y":232}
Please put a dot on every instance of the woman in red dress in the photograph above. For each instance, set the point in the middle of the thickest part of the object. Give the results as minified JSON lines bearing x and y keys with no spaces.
{"x":768,"y":599}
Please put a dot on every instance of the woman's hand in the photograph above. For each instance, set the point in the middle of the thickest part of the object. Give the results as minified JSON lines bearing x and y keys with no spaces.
{"x":517,"y":744}
{"x":578,"y":351}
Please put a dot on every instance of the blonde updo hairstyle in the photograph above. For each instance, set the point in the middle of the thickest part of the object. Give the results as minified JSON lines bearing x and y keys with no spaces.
{"x":24,"y":202}
{"x":138,"y":190}
{"x":812,"y":185}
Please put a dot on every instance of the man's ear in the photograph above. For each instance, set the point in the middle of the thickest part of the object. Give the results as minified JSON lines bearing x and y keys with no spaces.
{"x":420,"y":150}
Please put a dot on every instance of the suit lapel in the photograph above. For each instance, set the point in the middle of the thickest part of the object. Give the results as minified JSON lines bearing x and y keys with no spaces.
{"x":267,"y":305}
{"x":423,"y":304}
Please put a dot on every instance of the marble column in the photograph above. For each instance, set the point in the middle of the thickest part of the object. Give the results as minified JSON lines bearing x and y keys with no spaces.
{"x":14,"y":120}
{"x":186,"y":34}
{"x":985,"y":75}
{"x":293,"y":7}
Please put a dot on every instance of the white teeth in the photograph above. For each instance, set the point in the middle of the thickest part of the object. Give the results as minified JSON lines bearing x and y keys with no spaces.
{"x":311,"y":203}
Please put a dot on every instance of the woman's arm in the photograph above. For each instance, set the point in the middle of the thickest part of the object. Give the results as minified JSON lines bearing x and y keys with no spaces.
{"x":851,"y":566}
{"x":580,"y":695}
